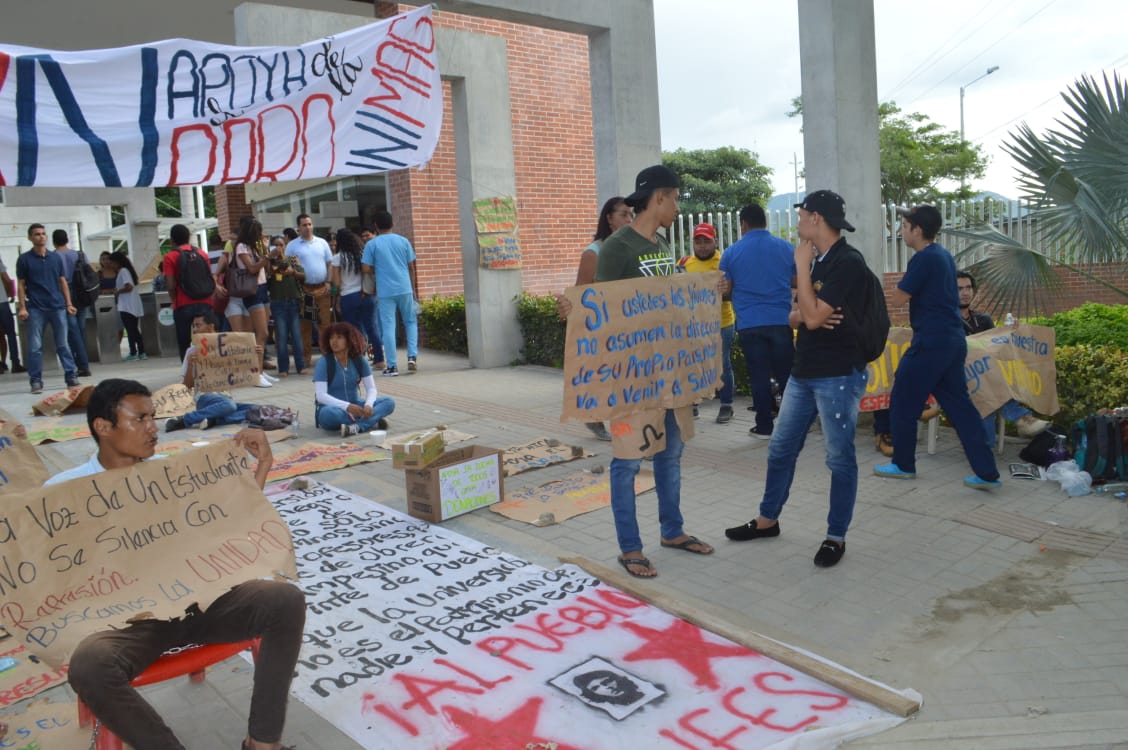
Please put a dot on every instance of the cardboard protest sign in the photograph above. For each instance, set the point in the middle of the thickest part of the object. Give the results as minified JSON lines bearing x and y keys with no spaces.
{"x":55,"y":431}
{"x":644,"y":433}
{"x":310,"y":458}
{"x":173,"y":401}
{"x":495,"y":215}
{"x":1002,"y":364}
{"x":641,"y":344}
{"x":539,"y":453}
{"x":28,"y":677}
{"x":225,"y":360}
{"x":21,"y":468}
{"x":72,"y":399}
{"x":145,"y":542}
{"x":419,"y":637}
{"x":565,"y":498}
{"x":46,"y":725}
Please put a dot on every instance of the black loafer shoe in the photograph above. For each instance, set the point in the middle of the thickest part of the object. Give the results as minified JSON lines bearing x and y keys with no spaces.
{"x":749,"y":531}
{"x":830,"y":552}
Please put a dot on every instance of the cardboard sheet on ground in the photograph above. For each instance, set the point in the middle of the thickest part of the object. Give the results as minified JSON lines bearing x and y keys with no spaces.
{"x":173,"y":401}
{"x":148,"y":541}
{"x":21,"y":468}
{"x":571,"y":496}
{"x":55,"y":431}
{"x":538,"y":454}
{"x":1002,"y":364}
{"x":70,"y":400}
{"x":418,"y":637}
{"x":225,"y":360}
{"x":28,"y":678}
{"x":310,"y":458}
{"x":198,"y":438}
{"x":450,"y":437}
{"x":47,"y":725}
{"x":641,"y":345}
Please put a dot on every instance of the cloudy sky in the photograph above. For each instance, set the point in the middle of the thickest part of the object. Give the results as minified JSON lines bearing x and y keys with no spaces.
{"x":728,"y":69}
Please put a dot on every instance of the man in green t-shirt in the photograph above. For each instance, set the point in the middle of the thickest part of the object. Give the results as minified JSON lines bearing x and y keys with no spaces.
{"x":634,"y":251}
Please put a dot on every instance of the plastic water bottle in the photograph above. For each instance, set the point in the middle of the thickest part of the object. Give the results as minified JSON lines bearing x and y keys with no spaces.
{"x":1058,"y":452}
{"x":296,"y":424}
{"x":1010,"y":321}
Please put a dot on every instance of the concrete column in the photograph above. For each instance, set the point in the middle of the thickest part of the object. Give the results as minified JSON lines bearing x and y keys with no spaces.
{"x":840,"y":144}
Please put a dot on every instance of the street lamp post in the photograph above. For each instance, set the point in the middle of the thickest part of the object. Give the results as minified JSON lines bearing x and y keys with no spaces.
{"x":990,"y":70}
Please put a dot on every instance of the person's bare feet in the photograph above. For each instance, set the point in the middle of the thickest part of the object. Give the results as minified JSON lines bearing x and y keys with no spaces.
{"x":637,"y":565}
{"x":689,"y":544}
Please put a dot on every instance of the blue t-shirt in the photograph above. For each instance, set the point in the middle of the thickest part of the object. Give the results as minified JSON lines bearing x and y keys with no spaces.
{"x":389,"y":254}
{"x":760,"y":267}
{"x":345,"y":379}
{"x":40,"y":274}
{"x":934,"y":307}
{"x":314,"y":257}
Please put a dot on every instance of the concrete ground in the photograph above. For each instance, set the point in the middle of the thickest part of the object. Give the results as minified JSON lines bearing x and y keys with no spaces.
{"x":1007,"y":611}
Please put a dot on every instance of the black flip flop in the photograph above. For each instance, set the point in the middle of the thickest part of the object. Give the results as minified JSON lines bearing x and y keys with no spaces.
{"x":626,"y":562}
{"x":686,"y":544}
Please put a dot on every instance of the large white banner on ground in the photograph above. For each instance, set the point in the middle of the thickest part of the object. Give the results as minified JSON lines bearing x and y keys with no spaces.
{"x":417,"y":636}
{"x":183,"y":112}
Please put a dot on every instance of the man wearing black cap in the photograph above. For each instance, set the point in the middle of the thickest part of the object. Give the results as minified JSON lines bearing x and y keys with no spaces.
{"x":934,"y":362}
{"x":829,"y":375}
{"x":634,"y":251}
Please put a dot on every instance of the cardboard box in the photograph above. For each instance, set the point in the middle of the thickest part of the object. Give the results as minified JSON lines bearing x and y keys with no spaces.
{"x":416,"y":451}
{"x":459,"y":481}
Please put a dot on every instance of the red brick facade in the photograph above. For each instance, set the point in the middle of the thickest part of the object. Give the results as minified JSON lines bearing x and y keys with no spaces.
{"x":230,"y":206}
{"x":1076,"y":290}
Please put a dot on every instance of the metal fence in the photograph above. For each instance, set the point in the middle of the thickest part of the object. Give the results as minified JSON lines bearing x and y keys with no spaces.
{"x":1009,"y":217}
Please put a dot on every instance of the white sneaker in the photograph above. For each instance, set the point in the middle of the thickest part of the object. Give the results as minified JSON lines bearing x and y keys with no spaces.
{"x":205,"y":423}
{"x":1029,"y":425}
{"x":348,"y":430}
{"x":263,"y":382}
{"x":270,"y":377}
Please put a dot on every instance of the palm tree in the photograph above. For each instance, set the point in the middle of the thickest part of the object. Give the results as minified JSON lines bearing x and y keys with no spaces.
{"x":1075,"y":177}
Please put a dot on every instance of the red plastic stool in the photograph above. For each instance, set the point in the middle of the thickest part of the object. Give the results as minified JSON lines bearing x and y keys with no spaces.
{"x":189,"y":660}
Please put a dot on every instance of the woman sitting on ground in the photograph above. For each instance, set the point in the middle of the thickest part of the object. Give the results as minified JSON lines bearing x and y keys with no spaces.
{"x":335,"y":380}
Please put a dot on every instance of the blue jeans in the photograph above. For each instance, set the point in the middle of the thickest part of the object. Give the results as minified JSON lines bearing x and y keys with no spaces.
{"x":1012,"y":411}
{"x":405,"y":303}
{"x":835,"y":400}
{"x":287,"y":333}
{"x":728,"y":382}
{"x":769,"y":352}
{"x":332,"y":417}
{"x":667,"y":479}
{"x":38,"y":320}
{"x":360,"y":310}
{"x":76,"y":337}
{"x":939,"y":371}
{"x":218,"y":409}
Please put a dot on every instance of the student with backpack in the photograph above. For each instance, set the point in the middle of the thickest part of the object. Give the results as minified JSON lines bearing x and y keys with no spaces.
{"x":129,"y":306}
{"x":188,"y":278}
{"x":335,"y":379}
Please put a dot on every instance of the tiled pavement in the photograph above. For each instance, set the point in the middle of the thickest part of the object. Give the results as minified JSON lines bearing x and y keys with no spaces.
{"x":1007,"y":611}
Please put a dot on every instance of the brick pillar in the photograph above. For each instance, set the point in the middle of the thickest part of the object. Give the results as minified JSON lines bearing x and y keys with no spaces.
{"x":386,"y":10}
{"x":230,"y":206}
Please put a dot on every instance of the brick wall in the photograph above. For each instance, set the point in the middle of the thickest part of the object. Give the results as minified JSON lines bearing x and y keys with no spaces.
{"x":1075,"y":290}
{"x":550,"y":101}
{"x":230,"y":206}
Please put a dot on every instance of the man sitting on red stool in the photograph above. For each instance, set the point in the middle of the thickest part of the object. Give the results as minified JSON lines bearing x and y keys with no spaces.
{"x":122,"y":420}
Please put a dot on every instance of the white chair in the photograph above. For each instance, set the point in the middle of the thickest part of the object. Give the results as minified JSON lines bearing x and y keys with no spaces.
{"x":1000,"y":433}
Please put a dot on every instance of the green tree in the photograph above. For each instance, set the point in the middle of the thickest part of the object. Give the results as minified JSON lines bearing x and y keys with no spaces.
{"x":168,"y":201}
{"x":918,"y":155}
{"x":719,"y":179}
{"x":1075,"y":179}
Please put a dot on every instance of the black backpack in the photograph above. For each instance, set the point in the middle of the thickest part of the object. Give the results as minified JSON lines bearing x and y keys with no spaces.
{"x":873,"y":323}
{"x":193,"y":274}
{"x":1098,"y":447}
{"x":85,"y":284}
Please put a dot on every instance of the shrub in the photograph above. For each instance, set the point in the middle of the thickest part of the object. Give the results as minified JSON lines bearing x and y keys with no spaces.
{"x":1089,"y":378}
{"x":444,"y":319}
{"x":541,"y":329}
{"x":1090,"y":324}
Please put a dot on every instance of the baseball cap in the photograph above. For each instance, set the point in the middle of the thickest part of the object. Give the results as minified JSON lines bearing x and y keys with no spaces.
{"x":649,"y":180}
{"x":924,"y":216}
{"x":829,"y":205}
{"x":705,"y":230}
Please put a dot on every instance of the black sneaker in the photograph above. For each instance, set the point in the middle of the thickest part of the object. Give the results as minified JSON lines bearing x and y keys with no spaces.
{"x":760,"y":434}
{"x":37,"y":386}
{"x":696,"y":412}
{"x":412,"y":365}
{"x":172,"y":424}
{"x":382,"y":424}
{"x":85,"y":374}
{"x":3,"y":368}
{"x":830,"y":552}
{"x":73,"y":383}
{"x":724,"y":416}
{"x":17,"y":369}
{"x":348,"y":430}
{"x":749,"y":531}
{"x":390,"y":372}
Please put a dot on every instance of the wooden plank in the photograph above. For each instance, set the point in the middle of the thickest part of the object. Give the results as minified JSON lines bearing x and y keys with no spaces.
{"x":710,"y":618}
